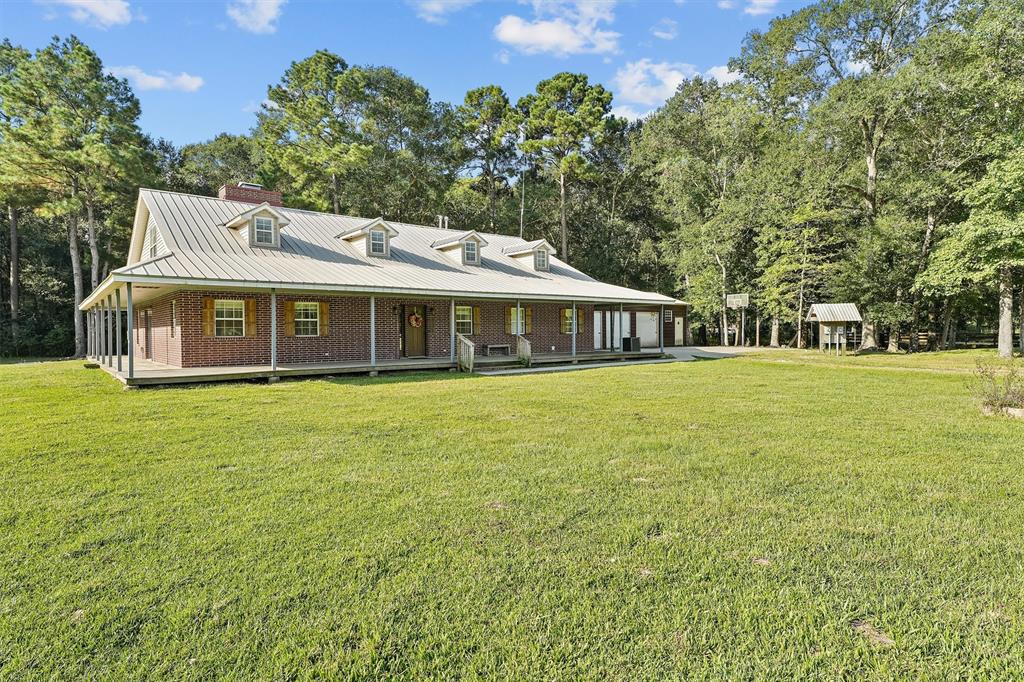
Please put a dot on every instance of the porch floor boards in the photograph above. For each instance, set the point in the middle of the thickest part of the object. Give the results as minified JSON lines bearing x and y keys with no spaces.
{"x":149,"y":373}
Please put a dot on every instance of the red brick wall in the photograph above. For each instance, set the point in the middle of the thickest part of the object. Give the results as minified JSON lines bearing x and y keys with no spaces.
{"x":166,"y":341}
{"x":545,"y":331}
{"x":349,"y":324}
{"x":249,"y":195}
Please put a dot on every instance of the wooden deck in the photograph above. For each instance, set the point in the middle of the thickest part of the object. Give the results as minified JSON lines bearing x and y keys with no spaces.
{"x":149,"y":373}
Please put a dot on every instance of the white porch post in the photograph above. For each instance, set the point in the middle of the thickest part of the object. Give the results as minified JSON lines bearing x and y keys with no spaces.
{"x":273,"y":330}
{"x":519,"y":319}
{"x":451,"y":330}
{"x":117,"y":337}
{"x":88,"y":333}
{"x":661,"y":329}
{"x":373,"y":334}
{"x":574,"y":331}
{"x":110,"y":333}
{"x":131,"y":332}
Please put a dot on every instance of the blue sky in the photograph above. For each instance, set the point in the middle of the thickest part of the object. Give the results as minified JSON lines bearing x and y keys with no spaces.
{"x":200,"y":68}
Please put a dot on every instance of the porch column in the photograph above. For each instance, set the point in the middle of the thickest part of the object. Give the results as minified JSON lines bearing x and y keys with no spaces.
{"x":117,"y":336}
{"x":661,"y":329}
{"x":574,"y":331}
{"x":131,"y":331}
{"x":519,"y":319}
{"x":100,"y":340}
{"x":451,"y":331}
{"x":88,"y":333}
{"x":110,"y":332}
{"x":373,"y":333}
{"x":273,"y":330}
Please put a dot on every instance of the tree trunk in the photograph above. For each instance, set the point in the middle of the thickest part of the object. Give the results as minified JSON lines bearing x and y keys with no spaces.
{"x":1020,"y":341}
{"x":1006,"y":312}
{"x":800,"y":317}
{"x":561,"y":210}
{"x":757,"y":330}
{"x":335,"y":193}
{"x":868,"y":338}
{"x":894,"y":340}
{"x":491,"y":200}
{"x":774,"y":342}
{"x":76,"y":274}
{"x":94,"y":247}
{"x":947,"y":322}
{"x":15,"y":277}
{"x":522,"y":202}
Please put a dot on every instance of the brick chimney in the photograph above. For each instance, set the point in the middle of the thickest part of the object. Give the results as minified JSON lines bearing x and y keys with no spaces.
{"x":249,"y":192}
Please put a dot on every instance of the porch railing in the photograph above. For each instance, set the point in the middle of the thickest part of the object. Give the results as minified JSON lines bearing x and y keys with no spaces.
{"x":524,"y":351}
{"x":466,"y":353}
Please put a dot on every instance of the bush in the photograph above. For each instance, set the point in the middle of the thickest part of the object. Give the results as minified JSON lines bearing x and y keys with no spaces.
{"x":999,"y":385}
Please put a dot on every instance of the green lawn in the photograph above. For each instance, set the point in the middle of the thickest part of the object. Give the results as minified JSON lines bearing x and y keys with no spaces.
{"x":706,"y":520}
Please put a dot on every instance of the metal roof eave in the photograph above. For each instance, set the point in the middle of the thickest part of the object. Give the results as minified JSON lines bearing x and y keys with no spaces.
{"x":108,"y":285}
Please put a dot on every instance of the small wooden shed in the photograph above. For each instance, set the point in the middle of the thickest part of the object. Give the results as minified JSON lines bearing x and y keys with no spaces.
{"x":835,"y":325}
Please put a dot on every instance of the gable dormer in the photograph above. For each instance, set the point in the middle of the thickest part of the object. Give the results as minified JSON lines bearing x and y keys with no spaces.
{"x":261,"y":225}
{"x":374,"y":237}
{"x":537,"y":253}
{"x":464,"y":247}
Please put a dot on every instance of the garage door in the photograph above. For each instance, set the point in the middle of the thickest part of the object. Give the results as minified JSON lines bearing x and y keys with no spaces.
{"x":647,"y":329}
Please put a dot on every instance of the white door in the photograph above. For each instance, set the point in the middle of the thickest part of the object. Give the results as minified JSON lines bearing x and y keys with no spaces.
{"x":647,"y":329}
{"x":680,"y":331}
{"x":598,"y":330}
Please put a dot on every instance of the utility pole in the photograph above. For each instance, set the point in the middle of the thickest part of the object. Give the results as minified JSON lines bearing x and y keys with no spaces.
{"x":522,"y":200}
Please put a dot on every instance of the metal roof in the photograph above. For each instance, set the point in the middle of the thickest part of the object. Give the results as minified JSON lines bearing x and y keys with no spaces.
{"x":833,"y":312}
{"x":312,"y":256}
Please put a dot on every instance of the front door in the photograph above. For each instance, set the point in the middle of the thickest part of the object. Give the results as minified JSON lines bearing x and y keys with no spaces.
{"x":415,"y":332}
{"x":680,"y":330}
{"x":598,"y":329}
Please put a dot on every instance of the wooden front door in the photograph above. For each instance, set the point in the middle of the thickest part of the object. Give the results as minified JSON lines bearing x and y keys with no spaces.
{"x":415,"y":331}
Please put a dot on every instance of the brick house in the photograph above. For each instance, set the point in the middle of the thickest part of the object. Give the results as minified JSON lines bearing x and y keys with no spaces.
{"x":241,"y":286}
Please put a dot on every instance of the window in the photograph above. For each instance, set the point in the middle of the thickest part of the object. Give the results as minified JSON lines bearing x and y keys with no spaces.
{"x":174,"y":316}
{"x":378,"y":243}
{"x":470,"y":254}
{"x":152,"y":241}
{"x":464,"y":319}
{"x":567,"y":320}
{"x":229,"y":318}
{"x":307,"y":319}
{"x":540,"y":260}
{"x":263,"y":231}
{"x":668,"y":315}
{"x":517,"y":317}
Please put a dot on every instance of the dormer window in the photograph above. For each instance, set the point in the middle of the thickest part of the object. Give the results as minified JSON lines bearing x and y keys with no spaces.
{"x":540,"y":259}
{"x":378,"y":243}
{"x":471,"y":253}
{"x":263,"y":231}
{"x":462,"y":247}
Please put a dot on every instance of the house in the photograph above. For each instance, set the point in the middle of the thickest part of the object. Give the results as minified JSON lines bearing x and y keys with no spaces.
{"x":241,"y":286}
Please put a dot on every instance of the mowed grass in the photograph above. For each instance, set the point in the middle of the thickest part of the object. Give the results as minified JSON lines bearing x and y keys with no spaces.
{"x":742,"y":518}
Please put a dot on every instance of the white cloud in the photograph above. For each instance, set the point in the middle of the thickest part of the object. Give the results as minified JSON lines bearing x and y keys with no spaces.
{"x":666,"y":29}
{"x":726,"y":4}
{"x":256,"y":16}
{"x":101,"y":13}
{"x":628,"y":112}
{"x":161,"y":80}
{"x":648,"y":82}
{"x":436,"y":11}
{"x":723,"y":75}
{"x":758,"y":7}
{"x":503,"y":56}
{"x":561,"y":28}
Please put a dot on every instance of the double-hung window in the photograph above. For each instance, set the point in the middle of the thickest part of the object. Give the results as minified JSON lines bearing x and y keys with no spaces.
{"x":307,"y":319}
{"x":540,"y":260}
{"x":470,"y":253}
{"x":567,"y":321}
{"x":378,"y":243}
{"x":229,"y":318}
{"x":464,"y":319}
{"x":263,"y":231}
{"x":518,"y":318}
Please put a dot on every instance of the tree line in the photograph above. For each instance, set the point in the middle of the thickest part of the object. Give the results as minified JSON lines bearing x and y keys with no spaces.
{"x":867,"y":151}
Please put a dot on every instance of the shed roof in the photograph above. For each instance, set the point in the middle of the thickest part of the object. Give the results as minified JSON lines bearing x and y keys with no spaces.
{"x":834,"y":312}
{"x":312,"y":256}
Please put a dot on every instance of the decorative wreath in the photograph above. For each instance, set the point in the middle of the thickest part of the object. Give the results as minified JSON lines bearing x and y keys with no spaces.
{"x":415,"y":320}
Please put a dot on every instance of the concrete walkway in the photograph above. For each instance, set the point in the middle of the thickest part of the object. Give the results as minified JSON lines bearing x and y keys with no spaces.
{"x":679,"y":354}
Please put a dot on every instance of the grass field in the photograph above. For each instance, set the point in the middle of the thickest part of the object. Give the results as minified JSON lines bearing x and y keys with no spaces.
{"x":762,"y":517}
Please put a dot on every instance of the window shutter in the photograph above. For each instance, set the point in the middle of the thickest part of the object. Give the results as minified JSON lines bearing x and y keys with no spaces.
{"x":250,"y":317}
{"x":476,"y":319}
{"x":325,"y":318}
{"x":289,"y":318}
{"x":208,"y":316}
{"x":508,"y":320}
{"x":529,"y":320}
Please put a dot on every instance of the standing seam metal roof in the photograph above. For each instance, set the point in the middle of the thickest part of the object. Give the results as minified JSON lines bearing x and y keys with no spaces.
{"x":201,"y":247}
